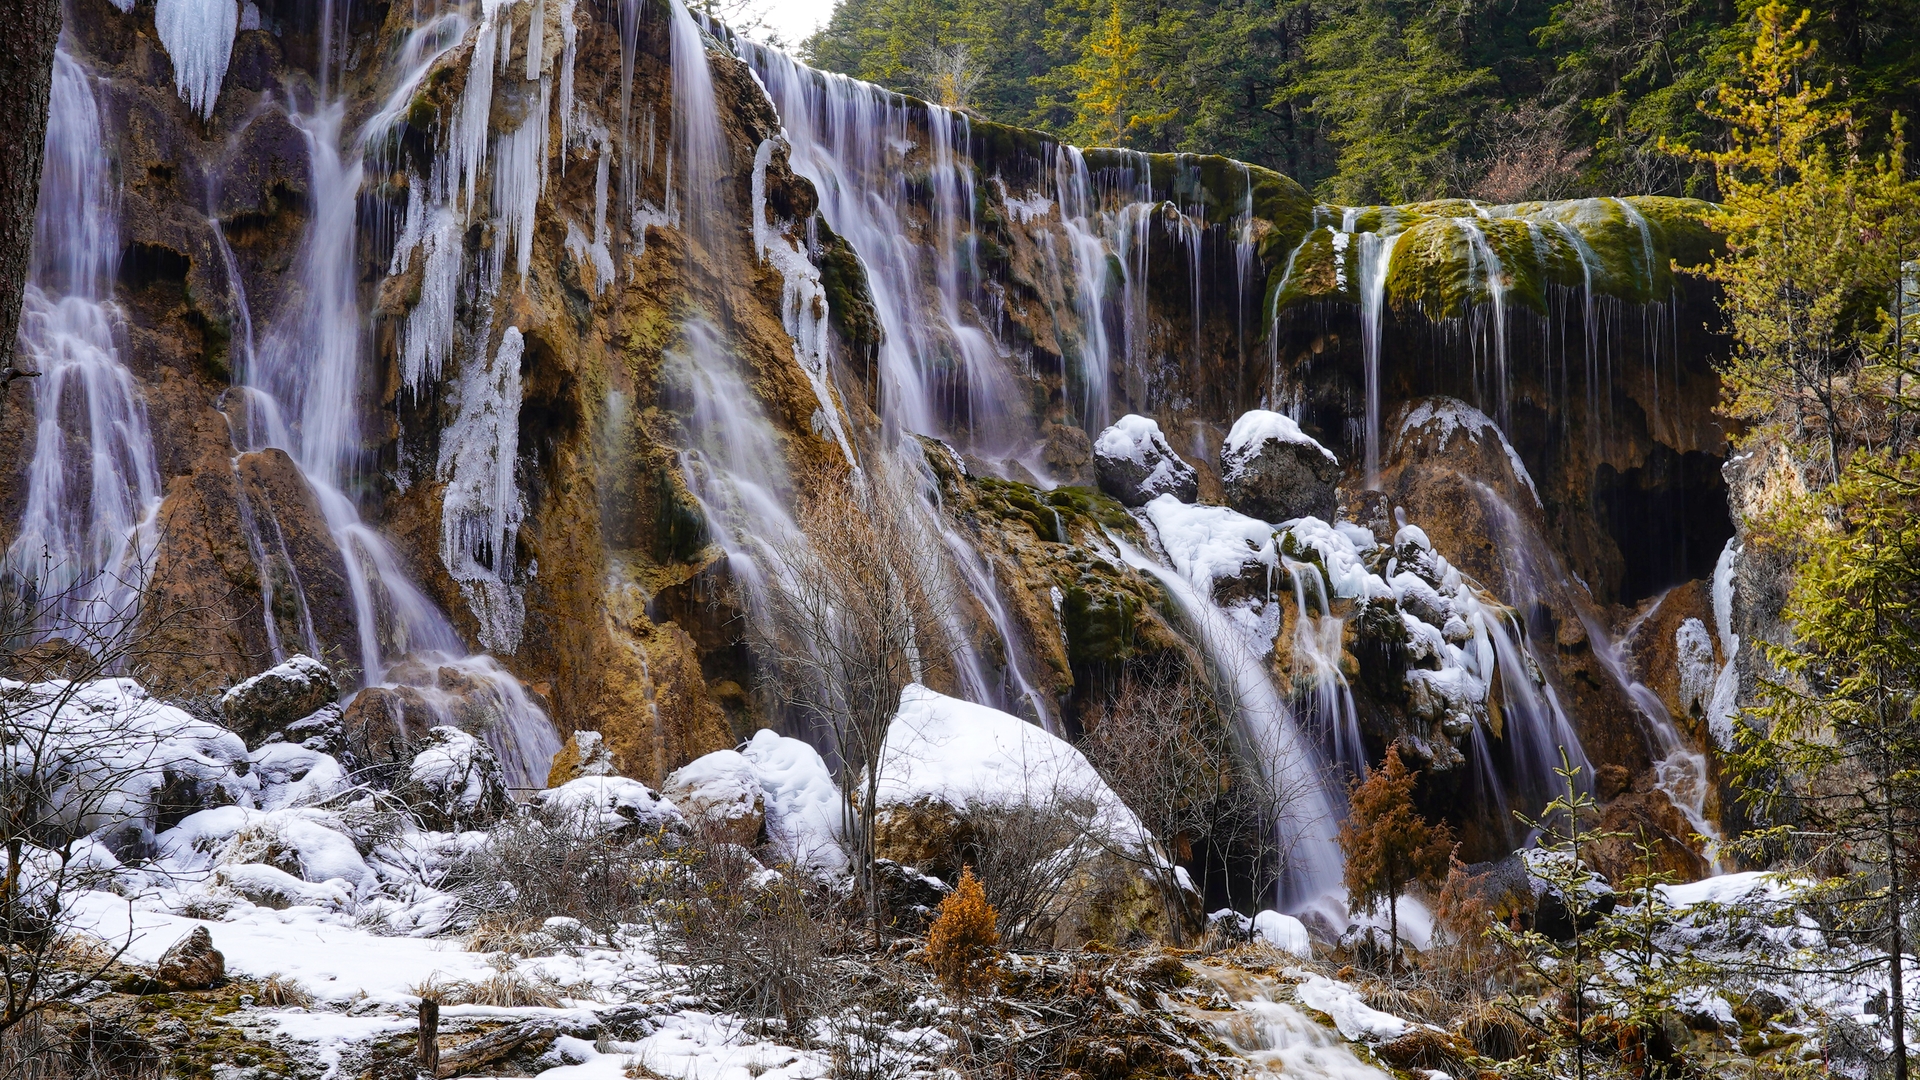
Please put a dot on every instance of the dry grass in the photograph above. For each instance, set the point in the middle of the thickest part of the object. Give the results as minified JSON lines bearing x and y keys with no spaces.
{"x":279,"y":991}
{"x":502,"y":989}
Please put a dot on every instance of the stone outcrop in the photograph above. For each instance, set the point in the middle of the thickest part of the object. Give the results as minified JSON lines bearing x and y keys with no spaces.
{"x":1276,"y":472}
{"x":1136,"y":465}
{"x":454,"y":782}
{"x":192,"y":963}
{"x":278,"y":696}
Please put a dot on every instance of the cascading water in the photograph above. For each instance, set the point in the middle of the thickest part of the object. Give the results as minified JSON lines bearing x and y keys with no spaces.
{"x":83,"y":551}
{"x":310,"y":368}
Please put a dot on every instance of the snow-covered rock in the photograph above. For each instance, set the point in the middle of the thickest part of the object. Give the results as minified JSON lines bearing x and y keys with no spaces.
{"x":1136,"y":464}
{"x":963,"y":756}
{"x":721,"y":791}
{"x":804,"y":810}
{"x":292,"y":774}
{"x":584,"y":754}
{"x":455,"y":781}
{"x":278,"y":696}
{"x":1227,"y":554}
{"x":115,"y":760}
{"x":1274,"y":471}
{"x":608,"y":804}
{"x":1284,"y":932}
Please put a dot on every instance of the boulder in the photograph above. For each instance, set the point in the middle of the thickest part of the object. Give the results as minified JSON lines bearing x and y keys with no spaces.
{"x":722,"y":792}
{"x":282,"y":694}
{"x":1284,"y":932}
{"x":192,"y":963}
{"x":585,"y":754}
{"x":608,"y":805}
{"x":1275,"y":472}
{"x":1649,"y":819}
{"x":455,"y":782}
{"x":1135,"y":464}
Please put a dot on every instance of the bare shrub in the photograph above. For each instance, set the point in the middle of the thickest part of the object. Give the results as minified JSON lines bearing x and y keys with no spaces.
{"x":949,"y":73}
{"x":502,"y":989}
{"x":1530,"y":156}
{"x":847,"y":618}
{"x":1164,"y":744}
{"x":1029,"y":856}
{"x":536,"y":868}
{"x":751,"y":938}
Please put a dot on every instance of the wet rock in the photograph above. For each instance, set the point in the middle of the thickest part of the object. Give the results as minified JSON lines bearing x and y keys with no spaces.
{"x":454,"y":782}
{"x":278,"y":696}
{"x":721,"y":792}
{"x":1069,"y":455}
{"x":1136,"y":464}
{"x":378,"y":724}
{"x":192,"y":963}
{"x":1274,"y":471}
{"x":585,"y":754}
{"x":1646,"y":818}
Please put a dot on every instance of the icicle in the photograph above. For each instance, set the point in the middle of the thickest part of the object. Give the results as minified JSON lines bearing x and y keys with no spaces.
{"x":536,"y":38}
{"x":803,"y":303}
{"x":569,"y":109}
{"x":597,"y":251}
{"x":481,"y":508}
{"x":198,"y":37}
{"x":519,"y":178}
{"x":468,"y":137}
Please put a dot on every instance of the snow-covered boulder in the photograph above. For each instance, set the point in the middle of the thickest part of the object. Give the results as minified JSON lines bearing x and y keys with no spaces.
{"x":802,"y":804}
{"x":1224,"y":553}
{"x":120,"y":765}
{"x":455,"y":781}
{"x":278,"y":696}
{"x":1274,"y":471}
{"x":947,"y":764}
{"x":292,"y":774}
{"x":1283,"y":932}
{"x":607,"y":804}
{"x":722,"y":792}
{"x":1135,"y":464}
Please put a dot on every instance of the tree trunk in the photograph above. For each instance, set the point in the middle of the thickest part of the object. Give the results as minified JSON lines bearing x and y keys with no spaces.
{"x":427,"y":1052}
{"x":26,"y":74}
{"x":1896,"y":948}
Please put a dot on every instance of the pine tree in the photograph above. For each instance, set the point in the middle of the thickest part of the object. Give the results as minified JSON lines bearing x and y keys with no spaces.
{"x":1831,"y":749}
{"x":962,"y":941}
{"x":1389,"y":845}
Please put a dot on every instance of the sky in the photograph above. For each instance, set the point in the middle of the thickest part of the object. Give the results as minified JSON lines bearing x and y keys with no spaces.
{"x":794,"y":19}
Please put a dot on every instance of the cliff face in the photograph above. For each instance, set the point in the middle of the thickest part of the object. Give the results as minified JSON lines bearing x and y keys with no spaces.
{"x":516,"y":328}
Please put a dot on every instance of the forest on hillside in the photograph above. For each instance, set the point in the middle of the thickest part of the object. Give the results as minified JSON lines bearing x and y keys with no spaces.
{"x":1368,"y":101}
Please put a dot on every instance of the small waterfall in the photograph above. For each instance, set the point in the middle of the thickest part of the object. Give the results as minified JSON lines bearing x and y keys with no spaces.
{"x":1309,"y":853}
{"x":1317,"y":648}
{"x":84,"y":548}
{"x":1074,"y":191}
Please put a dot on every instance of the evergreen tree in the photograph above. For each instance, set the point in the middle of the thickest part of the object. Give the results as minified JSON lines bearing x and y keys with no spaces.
{"x":1833,"y":749}
{"x":1389,"y":845}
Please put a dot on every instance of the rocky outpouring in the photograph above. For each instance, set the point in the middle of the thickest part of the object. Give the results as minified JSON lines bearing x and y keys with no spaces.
{"x":455,"y":782}
{"x":1135,"y":464}
{"x":1275,"y":472}
{"x":278,"y":696}
{"x":192,"y":963}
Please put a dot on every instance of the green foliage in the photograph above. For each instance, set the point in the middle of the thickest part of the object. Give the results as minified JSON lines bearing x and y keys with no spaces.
{"x":1364,"y":100}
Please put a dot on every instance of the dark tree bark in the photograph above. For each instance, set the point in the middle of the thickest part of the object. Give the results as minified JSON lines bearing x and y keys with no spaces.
{"x":26,"y":72}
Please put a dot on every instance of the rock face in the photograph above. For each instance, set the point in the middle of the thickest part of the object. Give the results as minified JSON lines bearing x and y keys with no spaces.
{"x":1136,"y":465}
{"x":1276,"y":472}
{"x":278,"y":696}
{"x":585,"y":754}
{"x":454,"y":782}
{"x":192,"y":963}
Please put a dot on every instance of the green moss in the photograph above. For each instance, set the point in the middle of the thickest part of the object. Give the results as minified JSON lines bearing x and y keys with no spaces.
{"x":850,"y":308}
{"x":1084,"y":502}
{"x":680,"y":529}
{"x":1097,"y":620}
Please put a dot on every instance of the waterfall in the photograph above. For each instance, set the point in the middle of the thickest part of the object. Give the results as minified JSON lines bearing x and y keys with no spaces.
{"x":1074,"y":193}
{"x":1317,"y":647}
{"x":311,"y":367}
{"x":1306,"y":841}
{"x":84,"y":548}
